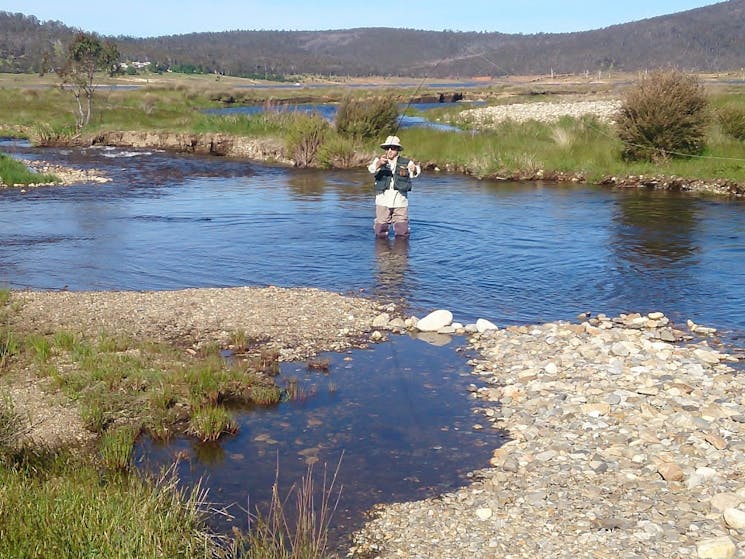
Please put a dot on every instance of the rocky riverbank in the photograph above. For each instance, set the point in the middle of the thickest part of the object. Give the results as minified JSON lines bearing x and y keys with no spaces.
{"x":625,"y":440}
{"x":624,"y":435}
{"x":484,"y":117}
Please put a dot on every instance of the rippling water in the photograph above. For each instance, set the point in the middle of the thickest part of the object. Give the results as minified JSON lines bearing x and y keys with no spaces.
{"x":512,"y":253}
{"x":509,"y":252}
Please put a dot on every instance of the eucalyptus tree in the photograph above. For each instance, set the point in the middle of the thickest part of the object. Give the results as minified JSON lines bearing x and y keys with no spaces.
{"x":86,"y":55}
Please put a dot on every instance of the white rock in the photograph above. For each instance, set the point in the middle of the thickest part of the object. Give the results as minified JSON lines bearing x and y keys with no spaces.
{"x":484,"y":514}
{"x":706,"y":356}
{"x":381,"y":320}
{"x":551,"y":368}
{"x":701,"y":476}
{"x":735,"y":518}
{"x":435,"y":320}
{"x":716,"y":548}
{"x":482,"y":325}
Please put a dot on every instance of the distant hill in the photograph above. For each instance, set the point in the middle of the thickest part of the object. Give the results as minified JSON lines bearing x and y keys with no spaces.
{"x":707,"y":39}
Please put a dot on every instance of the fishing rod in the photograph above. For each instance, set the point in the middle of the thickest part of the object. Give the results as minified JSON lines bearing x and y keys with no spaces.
{"x":413,"y":95}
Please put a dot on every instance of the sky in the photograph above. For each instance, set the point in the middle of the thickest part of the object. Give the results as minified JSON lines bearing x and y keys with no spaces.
{"x":151,"y":18}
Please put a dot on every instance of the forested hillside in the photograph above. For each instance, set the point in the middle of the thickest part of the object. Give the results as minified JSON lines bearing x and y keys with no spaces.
{"x":706,"y":39}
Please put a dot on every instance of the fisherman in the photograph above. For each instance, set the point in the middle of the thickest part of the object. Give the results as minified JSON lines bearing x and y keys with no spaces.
{"x":393,"y":174}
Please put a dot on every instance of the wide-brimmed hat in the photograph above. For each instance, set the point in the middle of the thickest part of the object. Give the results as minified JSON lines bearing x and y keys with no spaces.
{"x":392,"y":142}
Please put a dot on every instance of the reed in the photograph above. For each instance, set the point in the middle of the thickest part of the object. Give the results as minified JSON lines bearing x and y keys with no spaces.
{"x":296,"y":525}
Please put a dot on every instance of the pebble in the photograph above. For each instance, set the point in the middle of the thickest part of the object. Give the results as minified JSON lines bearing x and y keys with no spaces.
{"x":623,"y":439}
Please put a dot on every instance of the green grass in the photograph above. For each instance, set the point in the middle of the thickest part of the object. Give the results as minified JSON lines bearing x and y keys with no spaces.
{"x":13,"y":172}
{"x":67,"y":509}
{"x":579,"y":147}
{"x":209,"y":423}
{"x":584,"y":147}
{"x":152,"y":385}
{"x":91,"y":502}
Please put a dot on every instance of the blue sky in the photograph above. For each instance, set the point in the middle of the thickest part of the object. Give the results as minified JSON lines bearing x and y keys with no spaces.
{"x":149,"y":18}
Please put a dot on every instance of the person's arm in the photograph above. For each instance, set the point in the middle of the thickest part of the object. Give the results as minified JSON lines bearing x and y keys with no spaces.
{"x":376,"y":164}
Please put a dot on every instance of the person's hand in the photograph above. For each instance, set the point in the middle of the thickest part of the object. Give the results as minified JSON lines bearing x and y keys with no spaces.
{"x":382,"y":161}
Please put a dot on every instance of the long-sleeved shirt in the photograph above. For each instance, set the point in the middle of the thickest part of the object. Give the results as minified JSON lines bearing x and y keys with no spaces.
{"x":392,"y":198}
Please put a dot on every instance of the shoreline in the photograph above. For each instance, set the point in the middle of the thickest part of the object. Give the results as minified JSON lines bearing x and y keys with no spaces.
{"x":270,"y":153}
{"x":625,"y":433}
{"x":271,"y":150}
{"x":626,"y":440}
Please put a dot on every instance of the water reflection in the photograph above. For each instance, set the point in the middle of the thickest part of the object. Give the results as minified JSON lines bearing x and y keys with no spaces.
{"x":655,"y":229}
{"x":392,"y":262}
{"x":307,"y":184}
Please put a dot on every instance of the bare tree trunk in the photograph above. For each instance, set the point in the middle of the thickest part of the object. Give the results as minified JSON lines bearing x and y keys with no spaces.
{"x":89,"y":97}
{"x":80,"y":120}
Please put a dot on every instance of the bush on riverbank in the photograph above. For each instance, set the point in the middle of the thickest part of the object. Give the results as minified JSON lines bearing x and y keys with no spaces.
{"x":663,"y":116}
{"x":366,"y":119}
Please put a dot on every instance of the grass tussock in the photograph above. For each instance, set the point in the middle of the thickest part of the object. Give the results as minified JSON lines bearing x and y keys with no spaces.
{"x":13,"y":172}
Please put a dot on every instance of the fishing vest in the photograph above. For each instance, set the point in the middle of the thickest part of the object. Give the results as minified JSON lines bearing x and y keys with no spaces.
{"x":401,"y":179}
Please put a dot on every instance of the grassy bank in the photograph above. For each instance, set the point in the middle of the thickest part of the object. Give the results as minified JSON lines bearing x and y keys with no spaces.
{"x":88,"y":499}
{"x":583,"y":148}
{"x":14,"y":172}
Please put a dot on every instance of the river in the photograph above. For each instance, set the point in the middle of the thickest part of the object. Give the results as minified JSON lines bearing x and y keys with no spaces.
{"x":397,"y":416}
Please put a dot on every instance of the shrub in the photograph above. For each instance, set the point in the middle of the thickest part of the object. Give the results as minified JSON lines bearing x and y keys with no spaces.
{"x":663,"y":116}
{"x":732,"y":121}
{"x":340,"y":152}
{"x":306,"y":136}
{"x":366,"y":118}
